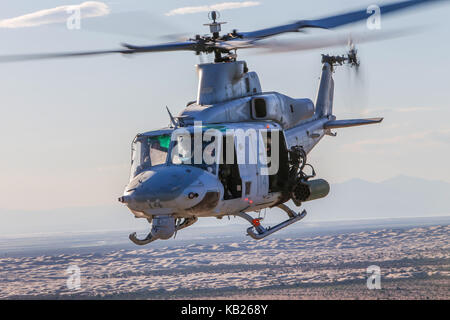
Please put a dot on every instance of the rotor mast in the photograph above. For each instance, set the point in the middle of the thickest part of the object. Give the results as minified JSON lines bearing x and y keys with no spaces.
{"x":215,"y":27}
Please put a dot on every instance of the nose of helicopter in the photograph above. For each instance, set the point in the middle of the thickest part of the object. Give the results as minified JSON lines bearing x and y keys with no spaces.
{"x":159,"y":187}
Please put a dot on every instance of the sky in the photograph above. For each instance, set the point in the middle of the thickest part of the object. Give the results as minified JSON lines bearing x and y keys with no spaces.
{"x":67,"y":125}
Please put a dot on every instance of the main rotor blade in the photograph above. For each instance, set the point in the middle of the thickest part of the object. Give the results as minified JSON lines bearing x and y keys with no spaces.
{"x":334,"y":40}
{"x":44,"y":56}
{"x":173,"y":46}
{"x":129,"y":49}
{"x":333,"y":21}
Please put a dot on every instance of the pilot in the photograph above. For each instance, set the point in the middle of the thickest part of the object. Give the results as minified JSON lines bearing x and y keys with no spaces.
{"x":155,"y":144}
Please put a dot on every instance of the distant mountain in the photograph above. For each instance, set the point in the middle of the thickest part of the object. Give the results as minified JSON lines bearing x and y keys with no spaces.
{"x":354,"y":199}
{"x":397,"y":197}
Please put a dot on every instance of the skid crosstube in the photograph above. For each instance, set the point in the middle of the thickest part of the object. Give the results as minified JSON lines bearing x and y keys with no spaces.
{"x":258,"y":232}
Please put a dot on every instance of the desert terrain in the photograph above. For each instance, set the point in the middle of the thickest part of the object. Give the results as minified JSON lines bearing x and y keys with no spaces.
{"x":414,"y":264}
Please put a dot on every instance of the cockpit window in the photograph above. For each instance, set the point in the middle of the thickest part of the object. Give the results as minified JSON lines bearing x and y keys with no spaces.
{"x":148,"y":152}
{"x":202,"y":155}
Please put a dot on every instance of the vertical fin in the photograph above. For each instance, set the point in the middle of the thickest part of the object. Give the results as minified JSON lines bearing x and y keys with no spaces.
{"x":324,"y":100}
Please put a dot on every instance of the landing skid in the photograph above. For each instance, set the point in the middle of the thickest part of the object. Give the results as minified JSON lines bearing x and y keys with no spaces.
{"x":140,"y":242}
{"x":258,"y":232}
{"x":151,"y":236}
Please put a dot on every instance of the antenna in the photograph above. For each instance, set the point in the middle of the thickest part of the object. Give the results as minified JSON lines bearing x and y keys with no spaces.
{"x":172,"y":119}
{"x":214,"y":27}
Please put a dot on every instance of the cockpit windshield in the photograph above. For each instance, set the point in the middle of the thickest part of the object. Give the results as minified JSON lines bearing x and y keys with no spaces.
{"x":149,"y":151}
{"x":202,"y":154}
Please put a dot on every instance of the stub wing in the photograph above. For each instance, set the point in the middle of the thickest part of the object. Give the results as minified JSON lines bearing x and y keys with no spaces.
{"x":333,"y":124}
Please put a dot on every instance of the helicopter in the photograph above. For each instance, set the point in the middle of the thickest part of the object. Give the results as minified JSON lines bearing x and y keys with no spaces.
{"x":236,"y":149}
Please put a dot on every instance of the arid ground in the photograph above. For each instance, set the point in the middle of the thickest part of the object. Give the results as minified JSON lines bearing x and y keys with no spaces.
{"x":414,"y":264}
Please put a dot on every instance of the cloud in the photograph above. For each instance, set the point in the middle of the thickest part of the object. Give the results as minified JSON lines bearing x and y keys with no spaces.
{"x":219,"y":7}
{"x":88,"y":9}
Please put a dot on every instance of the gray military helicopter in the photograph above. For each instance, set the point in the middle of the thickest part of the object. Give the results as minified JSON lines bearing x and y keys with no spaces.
{"x":236,"y":149}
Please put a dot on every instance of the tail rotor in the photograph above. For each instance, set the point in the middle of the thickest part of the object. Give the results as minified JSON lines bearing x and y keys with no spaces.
{"x":356,"y":84}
